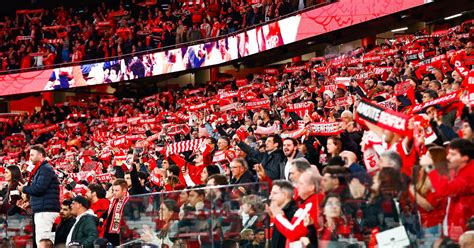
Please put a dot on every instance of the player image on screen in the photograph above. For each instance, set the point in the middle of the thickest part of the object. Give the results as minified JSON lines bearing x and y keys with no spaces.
{"x":195,"y":56}
{"x":272,"y":35}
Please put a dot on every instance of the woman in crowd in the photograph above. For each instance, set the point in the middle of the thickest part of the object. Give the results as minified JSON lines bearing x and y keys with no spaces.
{"x":12,"y":195}
{"x":206,"y":173}
{"x":431,"y":207}
{"x":252,"y":212}
{"x":168,"y":216}
{"x":383,"y":208}
{"x":336,"y":225}
{"x":334,"y":147}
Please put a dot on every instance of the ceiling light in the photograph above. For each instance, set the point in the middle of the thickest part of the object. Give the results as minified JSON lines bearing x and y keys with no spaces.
{"x":399,"y":29}
{"x":453,"y":16}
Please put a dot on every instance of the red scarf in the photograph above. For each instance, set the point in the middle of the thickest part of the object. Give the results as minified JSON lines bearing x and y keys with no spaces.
{"x":117,"y":211}
{"x":33,"y":172}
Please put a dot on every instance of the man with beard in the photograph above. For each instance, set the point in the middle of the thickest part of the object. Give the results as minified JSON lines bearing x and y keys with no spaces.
{"x":290,"y":149}
{"x":67,"y":221}
{"x":270,"y":159}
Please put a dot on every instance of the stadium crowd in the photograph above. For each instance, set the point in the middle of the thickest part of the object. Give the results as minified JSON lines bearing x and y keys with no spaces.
{"x":349,"y":146}
{"x":43,"y":37}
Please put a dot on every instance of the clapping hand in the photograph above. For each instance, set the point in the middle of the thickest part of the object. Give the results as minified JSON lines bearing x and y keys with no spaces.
{"x":275,"y":210}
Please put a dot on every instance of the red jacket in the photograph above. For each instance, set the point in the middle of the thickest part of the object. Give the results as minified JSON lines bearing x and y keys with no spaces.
{"x":460,"y":190}
{"x":296,"y":229}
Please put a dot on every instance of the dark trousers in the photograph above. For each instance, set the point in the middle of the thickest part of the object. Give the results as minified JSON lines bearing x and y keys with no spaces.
{"x":113,"y":238}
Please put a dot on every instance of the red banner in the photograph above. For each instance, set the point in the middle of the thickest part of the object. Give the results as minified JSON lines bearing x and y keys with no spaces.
{"x":383,"y":118}
{"x":446,"y":99}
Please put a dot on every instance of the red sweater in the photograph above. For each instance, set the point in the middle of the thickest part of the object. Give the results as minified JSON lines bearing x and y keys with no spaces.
{"x":100,"y":207}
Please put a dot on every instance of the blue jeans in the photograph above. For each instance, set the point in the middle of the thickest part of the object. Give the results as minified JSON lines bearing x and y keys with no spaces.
{"x":430,"y":235}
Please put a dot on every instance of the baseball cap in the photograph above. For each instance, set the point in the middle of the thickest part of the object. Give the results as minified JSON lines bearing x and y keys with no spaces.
{"x":82,"y":200}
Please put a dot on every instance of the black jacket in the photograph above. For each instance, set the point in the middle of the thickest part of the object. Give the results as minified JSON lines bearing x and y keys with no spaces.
{"x":62,"y":230}
{"x":278,"y":239}
{"x":85,"y":231}
{"x":247,"y":177}
{"x":10,"y":196}
{"x":44,"y":190}
{"x":137,"y":188}
{"x":270,"y":161}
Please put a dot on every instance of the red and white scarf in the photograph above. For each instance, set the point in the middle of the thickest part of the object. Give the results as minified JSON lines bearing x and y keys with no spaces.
{"x":258,"y":104}
{"x":301,"y":109}
{"x":443,"y":101}
{"x":183,"y":146}
{"x":325,"y":128}
{"x":396,"y":122}
{"x":117,"y":213}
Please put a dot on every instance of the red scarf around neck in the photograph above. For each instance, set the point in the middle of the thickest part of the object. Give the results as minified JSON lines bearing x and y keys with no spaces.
{"x":33,"y":172}
{"x":117,"y":213}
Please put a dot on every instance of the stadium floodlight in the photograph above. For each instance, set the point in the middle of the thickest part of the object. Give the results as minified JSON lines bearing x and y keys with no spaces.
{"x":453,"y":16}
{"x":399,"y":29}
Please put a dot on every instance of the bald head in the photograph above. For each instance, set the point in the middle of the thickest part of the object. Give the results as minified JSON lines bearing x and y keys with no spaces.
{"x":467,"y":239}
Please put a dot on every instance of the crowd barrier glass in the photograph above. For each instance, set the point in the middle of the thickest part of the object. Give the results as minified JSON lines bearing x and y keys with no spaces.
{"x":16,"y":231}
{"x":378,"y":209}
{"x":213,"y":217}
